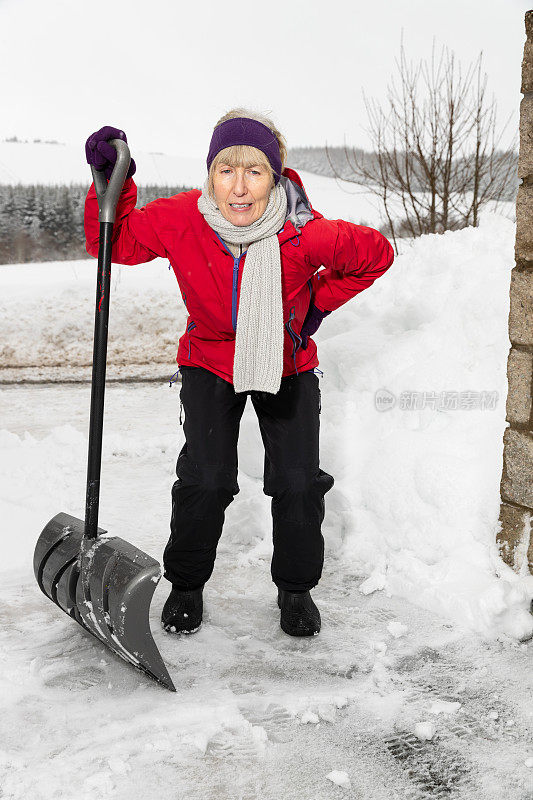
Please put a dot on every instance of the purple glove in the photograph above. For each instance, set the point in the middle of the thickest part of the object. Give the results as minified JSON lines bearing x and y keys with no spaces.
{"x":312,"y":323}
{"x":102,"y":155}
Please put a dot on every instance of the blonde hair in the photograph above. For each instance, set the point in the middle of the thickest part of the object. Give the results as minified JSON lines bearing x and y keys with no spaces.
{"x":244,"y":155}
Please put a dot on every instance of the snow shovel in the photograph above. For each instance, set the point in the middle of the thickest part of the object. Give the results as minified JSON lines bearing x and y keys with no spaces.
{"x":105,"y":584}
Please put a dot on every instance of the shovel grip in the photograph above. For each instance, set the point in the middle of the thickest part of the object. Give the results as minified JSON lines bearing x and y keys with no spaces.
{"x":107,"y":194}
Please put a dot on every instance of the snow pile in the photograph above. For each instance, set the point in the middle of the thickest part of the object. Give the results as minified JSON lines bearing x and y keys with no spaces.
{"x":340,"y":778}
{"x":416,"y":501}
{"x":424,"y":731}
{"x":47,"y":314}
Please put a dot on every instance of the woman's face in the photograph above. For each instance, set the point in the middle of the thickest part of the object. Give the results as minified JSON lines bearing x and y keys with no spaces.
{"x":235,"y":187}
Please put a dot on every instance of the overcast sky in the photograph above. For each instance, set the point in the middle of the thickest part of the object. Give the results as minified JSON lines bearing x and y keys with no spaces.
{"x":166,"y":70}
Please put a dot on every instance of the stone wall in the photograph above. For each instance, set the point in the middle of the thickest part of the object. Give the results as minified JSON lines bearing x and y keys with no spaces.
{"x":515,"y":536}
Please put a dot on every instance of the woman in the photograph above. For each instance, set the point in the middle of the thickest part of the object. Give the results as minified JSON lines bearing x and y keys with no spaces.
{"x":245,"y":251}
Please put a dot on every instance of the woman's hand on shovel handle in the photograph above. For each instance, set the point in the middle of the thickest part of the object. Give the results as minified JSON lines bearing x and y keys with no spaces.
{"x":102,"y":155}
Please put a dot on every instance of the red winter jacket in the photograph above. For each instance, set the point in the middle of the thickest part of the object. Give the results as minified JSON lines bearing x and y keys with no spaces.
{"x":209,"y":276}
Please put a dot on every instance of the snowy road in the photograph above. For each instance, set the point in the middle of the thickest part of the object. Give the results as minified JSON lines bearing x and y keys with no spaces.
{"x":257,"y":714}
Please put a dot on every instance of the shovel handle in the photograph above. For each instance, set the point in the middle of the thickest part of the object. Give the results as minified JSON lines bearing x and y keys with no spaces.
{"x":107,"y":195}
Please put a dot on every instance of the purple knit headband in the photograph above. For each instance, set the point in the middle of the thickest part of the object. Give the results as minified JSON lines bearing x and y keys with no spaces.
{"x":243,"y":130}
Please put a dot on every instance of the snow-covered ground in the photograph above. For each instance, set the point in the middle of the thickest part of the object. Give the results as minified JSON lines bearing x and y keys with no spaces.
{"x":426,"y":633}
{"x":257,"y":715}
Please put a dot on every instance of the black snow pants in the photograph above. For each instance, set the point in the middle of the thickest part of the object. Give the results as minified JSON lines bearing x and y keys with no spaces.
{"x":207,"y":477}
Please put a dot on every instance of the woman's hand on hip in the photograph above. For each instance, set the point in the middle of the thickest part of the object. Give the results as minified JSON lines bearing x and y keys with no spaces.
{"x":312,"y":323}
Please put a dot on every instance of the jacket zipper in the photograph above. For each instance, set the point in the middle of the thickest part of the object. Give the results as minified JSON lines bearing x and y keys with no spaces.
{"x":296,"y":340}
{"x":235,"y":284}
{"x":236,"y":267}
{"x":190,"y":326}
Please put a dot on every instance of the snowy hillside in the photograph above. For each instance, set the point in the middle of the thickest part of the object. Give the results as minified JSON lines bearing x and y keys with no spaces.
{"x":49,"y":164}
{"x":31,"y":162}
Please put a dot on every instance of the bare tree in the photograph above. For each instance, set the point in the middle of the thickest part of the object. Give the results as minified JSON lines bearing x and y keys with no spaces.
{"x":436,"y":160}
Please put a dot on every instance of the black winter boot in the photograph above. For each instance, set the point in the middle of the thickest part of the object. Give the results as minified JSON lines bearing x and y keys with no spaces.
{"x":182,"y":613}
{"x":299,"y":614}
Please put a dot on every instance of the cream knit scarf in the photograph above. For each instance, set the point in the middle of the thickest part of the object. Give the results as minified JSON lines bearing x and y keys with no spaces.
{"x":258,"y":361}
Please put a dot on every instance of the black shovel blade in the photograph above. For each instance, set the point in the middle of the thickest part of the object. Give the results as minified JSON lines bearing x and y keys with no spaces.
{"x":105,"y":584}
